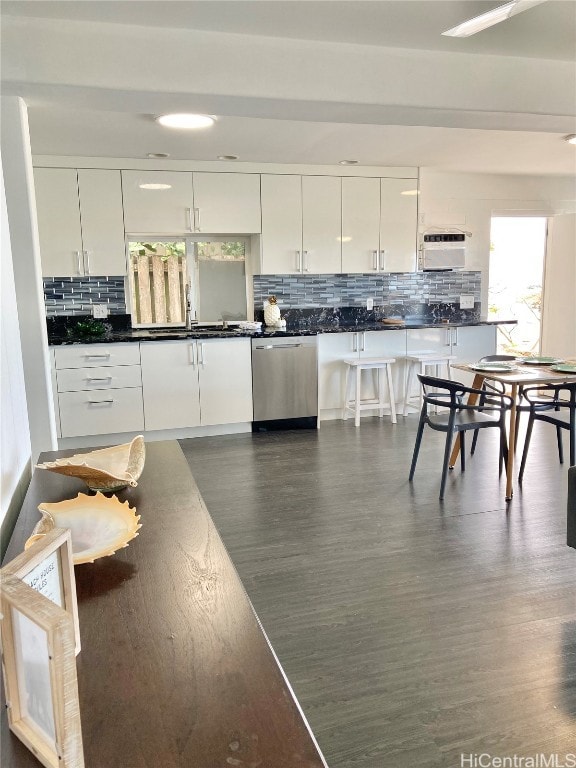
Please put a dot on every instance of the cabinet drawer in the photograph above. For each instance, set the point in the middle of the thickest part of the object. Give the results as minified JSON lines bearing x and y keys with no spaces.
{"x":98,"y":413}
{"x":96,"y":355}
{"x":110,"y":377}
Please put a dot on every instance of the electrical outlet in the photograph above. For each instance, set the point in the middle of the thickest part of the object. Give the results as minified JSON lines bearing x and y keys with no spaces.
{"x":369,"y":303}
{"x":466,"y":301}
{"x":100,"y":311}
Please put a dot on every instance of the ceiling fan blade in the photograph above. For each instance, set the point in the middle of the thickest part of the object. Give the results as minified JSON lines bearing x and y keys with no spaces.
{"x":488,"y":19}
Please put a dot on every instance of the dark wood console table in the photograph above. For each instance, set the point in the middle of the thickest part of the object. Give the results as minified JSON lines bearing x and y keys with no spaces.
{"x":175,"y":670}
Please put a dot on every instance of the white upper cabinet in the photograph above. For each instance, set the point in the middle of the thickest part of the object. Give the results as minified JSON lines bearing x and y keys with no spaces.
{"x":301,"y":224}
{"x":175,"y":202}
{"x":59,"y":221}
{"x":361,"y":225}
{"x":321,"y":224}
{"x":158,"y":202}
{"x":398,"y":224}
{"x":281,"y":224}
{"x":102,"y":222}
{"x":80,"y":222}
{"x":227,"y":203}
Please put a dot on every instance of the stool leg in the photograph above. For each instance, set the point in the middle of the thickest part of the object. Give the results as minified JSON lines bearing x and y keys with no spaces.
{"x":391,"y":393}
{"x":347,"y":392}
{"x":358,"y":396}
{"x":407,"y":389}
{"x":380,"y":390}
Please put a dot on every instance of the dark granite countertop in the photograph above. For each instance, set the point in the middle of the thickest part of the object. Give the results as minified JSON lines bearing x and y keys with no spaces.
{"x":312,"y":329}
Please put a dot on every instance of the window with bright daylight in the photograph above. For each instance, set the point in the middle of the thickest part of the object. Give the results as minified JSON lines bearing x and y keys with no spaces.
{"x":517,"y":251}
{"x":205,"y":276}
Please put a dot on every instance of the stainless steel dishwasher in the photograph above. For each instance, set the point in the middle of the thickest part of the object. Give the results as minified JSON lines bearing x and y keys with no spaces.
{"x":285,"y":382}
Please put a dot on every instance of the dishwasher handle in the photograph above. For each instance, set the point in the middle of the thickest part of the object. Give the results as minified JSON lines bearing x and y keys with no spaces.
{"x":280,"y":346}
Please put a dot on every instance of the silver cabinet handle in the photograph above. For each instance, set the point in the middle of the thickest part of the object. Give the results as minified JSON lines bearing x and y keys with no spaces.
{"x":99,"y":378}
{"x":455,"y":340}
{"x":305,"y":261}
{"x":79,"y":267}
{"x":200,"y":348}
{"x":191,"y":355}
{"x":448,"y":337}
{"x":382,"y":260}
{"x":100,"y":402}
{"x":363,"y":347}
{"x":375,"y":261}
{"x":103,"y":356}
{"x":86,"y":255}
{"x":355,"y":342}
{"x":197,"y":220}
{"x":190,"y":226}
{"x":298,"y":261}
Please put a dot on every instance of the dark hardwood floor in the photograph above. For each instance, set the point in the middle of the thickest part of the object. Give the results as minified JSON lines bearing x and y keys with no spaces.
{"x":411,"y":630}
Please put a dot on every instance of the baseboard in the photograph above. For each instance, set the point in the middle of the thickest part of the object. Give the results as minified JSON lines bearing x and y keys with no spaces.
{"x":14,"y":508}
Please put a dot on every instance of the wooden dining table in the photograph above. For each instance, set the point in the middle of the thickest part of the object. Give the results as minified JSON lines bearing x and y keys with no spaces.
{"x":522,"y":375}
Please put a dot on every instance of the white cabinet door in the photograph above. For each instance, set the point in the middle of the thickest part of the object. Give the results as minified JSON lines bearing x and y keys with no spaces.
{"x":102,"y":222}
{"x":333,"y":349}
{"x":281,"y":224}
{"x":321,"y":224}
{"x":398,"y":225}
{"x":227,"y":203}
{"x":225,"y":367}
{"x":59,"y":221}
{"x":157,"y":202}
{"x":98,"y":412}
{"x":360,"y":224}
{"x":170,"y":384}
{"x":469,"y":344}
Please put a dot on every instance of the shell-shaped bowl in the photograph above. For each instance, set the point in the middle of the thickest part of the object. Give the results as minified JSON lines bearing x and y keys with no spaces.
{"x":99,"y":526}
{"x":107,"y":469}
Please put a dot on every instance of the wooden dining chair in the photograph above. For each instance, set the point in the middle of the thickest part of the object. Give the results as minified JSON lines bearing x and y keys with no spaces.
{"x":553,"y":404}
{"x":459,"y":418}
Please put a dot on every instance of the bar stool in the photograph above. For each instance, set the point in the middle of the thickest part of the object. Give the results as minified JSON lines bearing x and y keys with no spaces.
{"x":420,"y":362}
{"x":378,"y":365}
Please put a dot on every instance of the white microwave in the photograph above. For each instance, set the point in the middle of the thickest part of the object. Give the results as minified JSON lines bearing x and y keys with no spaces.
{"x":443,"y":252}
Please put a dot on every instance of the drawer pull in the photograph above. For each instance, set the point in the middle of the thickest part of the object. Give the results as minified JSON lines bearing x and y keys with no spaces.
{"x":98,"y":357}
{"x":100,"y":402}
{"x":99,"y":378}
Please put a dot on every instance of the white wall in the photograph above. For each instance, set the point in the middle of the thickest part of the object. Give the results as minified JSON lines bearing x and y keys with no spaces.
{"x":559,"y":315}
{"x":14,"y":431}
{"x":469,"y":201}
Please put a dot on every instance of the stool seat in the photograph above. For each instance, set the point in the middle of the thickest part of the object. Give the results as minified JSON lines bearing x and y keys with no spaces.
{"x":356,"y":404}
{"x":418,"y":362}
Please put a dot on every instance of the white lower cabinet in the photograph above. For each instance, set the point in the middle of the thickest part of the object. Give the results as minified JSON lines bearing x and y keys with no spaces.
{"x":196,"y":383}
{"x":99,"y":389}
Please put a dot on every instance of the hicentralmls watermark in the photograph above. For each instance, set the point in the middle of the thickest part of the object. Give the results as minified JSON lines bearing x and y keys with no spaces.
{"x":486,"y":760}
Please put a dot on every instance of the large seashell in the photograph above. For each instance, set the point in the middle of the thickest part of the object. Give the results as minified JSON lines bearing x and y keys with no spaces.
{"x":99,"y":525}
{"x":108,"y":469}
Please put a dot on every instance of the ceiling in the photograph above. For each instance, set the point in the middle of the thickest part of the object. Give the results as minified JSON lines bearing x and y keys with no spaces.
{"x":104,"y":114}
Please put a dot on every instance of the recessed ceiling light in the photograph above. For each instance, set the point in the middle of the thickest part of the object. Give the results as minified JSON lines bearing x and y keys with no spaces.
{"x":186,"y":121}
{"x":155,"y":186}
{"x":157,"y":155}
{"x":227,"y":157}
{"x":571,"y":138}
{"x":410,"y":192}
{"x":347,"y":162}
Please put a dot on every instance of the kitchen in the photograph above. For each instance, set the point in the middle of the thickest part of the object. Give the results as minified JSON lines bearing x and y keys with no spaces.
{"x":254,"y":79}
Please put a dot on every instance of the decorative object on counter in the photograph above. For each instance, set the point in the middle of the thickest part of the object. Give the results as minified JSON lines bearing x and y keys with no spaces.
{"x":99,"y":525}
{"x":246,"y":325}
{"x":47,"y":566}
{"x":107,"y":469}
{"x":271,"y":311}
{"x":40,"y":677}
{"x":88,"y":329}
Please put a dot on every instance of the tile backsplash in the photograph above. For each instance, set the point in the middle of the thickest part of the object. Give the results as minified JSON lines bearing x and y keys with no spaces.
{"x":75,"y":295}
{"x":352,"y":290}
